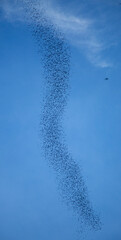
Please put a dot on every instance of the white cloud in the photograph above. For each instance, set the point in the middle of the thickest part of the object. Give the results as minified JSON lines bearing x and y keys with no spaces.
{"x":80,"y":31}
{"x":11,"y":10}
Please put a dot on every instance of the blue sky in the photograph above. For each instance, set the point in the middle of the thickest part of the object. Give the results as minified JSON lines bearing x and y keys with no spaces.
{"x":30,"y":204}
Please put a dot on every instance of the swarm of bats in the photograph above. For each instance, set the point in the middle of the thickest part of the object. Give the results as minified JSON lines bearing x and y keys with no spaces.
{"x":55,"y":58}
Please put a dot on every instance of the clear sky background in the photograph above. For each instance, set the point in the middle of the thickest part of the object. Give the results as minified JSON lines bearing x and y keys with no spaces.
{"x":30,"y":205}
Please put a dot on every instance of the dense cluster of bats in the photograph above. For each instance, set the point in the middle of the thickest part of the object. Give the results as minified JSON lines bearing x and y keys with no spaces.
{"x":55,"y":58}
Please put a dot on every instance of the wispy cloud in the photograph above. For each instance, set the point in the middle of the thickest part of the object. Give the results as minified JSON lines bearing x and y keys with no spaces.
{"x":11,"y":10}
{"x":80,"y":31}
